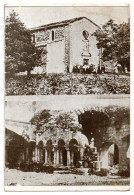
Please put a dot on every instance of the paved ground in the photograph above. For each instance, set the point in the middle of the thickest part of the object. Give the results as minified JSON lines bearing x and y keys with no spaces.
{"x":15,"y":177}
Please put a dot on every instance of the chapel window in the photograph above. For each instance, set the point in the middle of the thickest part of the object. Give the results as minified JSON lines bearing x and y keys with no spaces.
{"x":52,"y":35}
{"x":33,"y":38}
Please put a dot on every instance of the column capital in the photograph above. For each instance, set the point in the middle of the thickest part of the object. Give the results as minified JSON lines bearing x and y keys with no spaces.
{"x":67,"y":148}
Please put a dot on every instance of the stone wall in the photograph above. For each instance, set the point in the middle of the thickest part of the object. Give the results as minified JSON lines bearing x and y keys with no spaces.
{"x":53,"y":42}
{"x":43,"y":37}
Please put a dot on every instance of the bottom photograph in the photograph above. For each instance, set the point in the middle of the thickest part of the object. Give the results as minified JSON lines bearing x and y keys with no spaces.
{"x":67,"y":141}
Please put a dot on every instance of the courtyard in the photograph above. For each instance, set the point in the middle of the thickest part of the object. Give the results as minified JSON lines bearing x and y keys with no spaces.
{"x":15,"y":177}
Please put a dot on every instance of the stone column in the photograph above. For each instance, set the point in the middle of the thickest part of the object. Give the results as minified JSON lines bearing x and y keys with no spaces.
{"x":33,"y":154}
{"x":55,"y":155}
{"x":72,"y":158}
{"x":57,"y":160}
{"x":41,"y":154}
{"x":68,"y":157}
{"x":46,"y":156}
{"x":38,"y":152}
{"x":81,"y":153}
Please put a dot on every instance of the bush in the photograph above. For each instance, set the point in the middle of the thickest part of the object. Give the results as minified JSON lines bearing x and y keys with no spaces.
{"x":70,"y":84}
{"x":125,"y":172}
{"x":48,"y":169}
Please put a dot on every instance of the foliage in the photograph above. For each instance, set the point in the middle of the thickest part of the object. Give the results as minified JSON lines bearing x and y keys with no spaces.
{"x":88,"y":157}
{"x":115,"y":41}
{"x":96,"y":121}
{"x":55,"y":120}
{"x":68,"y":84}
{"x":66,"y":120}
{"x":20,"y":52}
{"x":41,"y":118}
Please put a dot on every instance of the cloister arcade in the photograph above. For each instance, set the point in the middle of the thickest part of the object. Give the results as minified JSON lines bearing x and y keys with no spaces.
{"x":64,"y":147}
{"x":61,"y":152}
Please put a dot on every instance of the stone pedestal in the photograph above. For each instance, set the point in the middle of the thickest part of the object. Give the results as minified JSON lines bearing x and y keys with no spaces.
{"x":97,"y":165}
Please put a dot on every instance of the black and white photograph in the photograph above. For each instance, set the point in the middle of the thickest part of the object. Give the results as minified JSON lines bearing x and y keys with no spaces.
{"x":67,"y":50}
{"x":82,"y":142}
{"x":67,"y":98}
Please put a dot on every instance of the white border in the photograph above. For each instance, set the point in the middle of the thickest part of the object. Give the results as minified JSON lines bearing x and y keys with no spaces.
{"x":68,"y":2}
{"x":66,"y":188}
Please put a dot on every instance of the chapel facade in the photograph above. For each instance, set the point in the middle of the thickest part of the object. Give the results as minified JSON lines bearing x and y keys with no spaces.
{"x":67,"y":44}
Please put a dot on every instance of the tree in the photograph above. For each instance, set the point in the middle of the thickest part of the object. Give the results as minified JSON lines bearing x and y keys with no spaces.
{"x":115,"y":41}
{"x":20,"y":52}
{"x":53,"y":120}
{"x":41,"y":118}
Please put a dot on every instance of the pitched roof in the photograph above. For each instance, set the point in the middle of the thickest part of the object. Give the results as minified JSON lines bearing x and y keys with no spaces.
{"x":61,"y":23}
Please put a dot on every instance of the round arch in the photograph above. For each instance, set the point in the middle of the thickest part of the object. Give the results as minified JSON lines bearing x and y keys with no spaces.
{"x":32,"y":145}
{"x":62,"y":152}
{"x":50,"y":152}
{"x":40,"y":151}
{"x":109,"y":154}
{"x":74,"y":152}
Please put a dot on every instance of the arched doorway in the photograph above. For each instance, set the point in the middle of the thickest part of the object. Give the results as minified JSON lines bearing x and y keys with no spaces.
{"x":74,"y":152}
{"x":31,"y":151}
{"x":62,"y":153}
{"x":50,"y":153}
{"x":113,"y":155}
{"x":109,"y":155}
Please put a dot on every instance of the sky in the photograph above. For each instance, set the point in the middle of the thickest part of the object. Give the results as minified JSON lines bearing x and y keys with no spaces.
{"x":36,"y":16}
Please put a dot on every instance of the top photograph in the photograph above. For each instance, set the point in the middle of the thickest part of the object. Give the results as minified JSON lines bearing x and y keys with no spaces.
{"x":64,"y":50}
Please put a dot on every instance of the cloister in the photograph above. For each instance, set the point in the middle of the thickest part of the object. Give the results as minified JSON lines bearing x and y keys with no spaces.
{"x":63,"y":146}
{"x":65,"y":151}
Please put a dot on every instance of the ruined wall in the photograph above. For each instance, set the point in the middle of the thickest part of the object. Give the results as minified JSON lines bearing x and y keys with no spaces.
{"x":120,"y":137}
{"x":14,"y":149}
